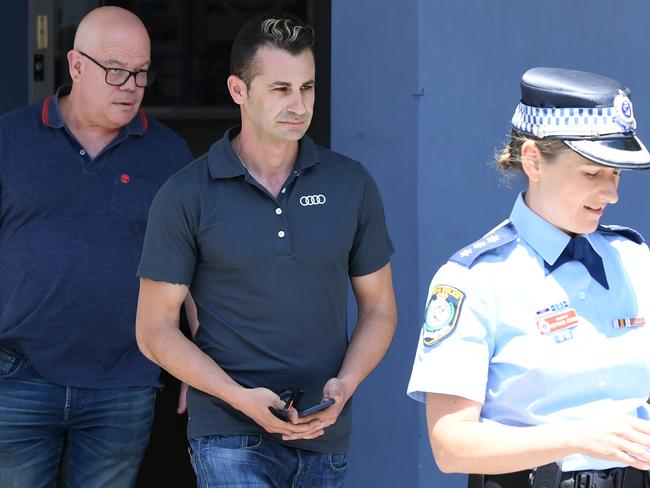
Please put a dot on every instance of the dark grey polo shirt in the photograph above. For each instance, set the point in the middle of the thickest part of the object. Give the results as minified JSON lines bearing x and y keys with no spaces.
{"x":269,"y":275}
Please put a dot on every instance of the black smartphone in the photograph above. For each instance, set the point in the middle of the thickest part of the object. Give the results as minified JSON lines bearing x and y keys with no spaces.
{"x":316,"y":408}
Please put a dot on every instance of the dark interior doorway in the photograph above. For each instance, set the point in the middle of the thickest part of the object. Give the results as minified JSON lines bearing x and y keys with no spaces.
{"x":190,"y":43}
{"x":190,"y":51}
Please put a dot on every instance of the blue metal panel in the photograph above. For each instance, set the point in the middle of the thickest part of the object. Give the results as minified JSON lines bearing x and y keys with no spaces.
{"x":422,"y":93}
{"x":13,"y":39}
{"x":374,"y":117}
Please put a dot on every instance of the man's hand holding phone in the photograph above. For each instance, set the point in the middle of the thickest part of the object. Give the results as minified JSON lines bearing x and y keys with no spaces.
{"x":335,"y":396}
{"x":324,"y":414}
{"x":257,"y":403}
{"x":316,"y":408}
{"x":291,"y":399}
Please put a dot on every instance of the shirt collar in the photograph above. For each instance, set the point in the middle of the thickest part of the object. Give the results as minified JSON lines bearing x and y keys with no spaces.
{"x":51,"y":115}
{"x":223,"y":162}
{"x":546,"y":240}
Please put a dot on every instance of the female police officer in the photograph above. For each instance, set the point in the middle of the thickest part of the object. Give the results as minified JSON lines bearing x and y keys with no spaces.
{"x":534,"y":357}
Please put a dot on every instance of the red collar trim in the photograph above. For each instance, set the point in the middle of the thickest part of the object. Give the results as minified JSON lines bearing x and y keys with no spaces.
{"x":144,"y":119}
{"x":44,"y":111}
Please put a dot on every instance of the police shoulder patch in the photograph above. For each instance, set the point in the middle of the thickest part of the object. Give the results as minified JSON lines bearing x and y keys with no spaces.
{"x":441,"y":315}
{"x":626,"y":232}
{"x":497,"y":237}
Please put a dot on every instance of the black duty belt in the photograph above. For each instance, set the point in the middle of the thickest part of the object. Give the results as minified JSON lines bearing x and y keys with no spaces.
{"x":550,"y":476}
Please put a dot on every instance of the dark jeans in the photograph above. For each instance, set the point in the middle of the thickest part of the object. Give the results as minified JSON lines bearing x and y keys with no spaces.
{"x":255,"y":461}
{"x":105,"y":430}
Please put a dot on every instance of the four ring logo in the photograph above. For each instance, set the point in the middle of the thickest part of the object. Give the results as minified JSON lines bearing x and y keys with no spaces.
{"x":307,"y":200}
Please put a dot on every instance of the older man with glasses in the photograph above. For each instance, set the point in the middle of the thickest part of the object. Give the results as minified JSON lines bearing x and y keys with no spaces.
{"x":119,"y":76}
{"x":78,"y":172}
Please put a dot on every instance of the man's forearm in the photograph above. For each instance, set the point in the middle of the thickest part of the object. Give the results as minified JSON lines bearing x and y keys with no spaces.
{"x":172,"y":351}
{"x":370,"y":340}
{"x":377,"y":319}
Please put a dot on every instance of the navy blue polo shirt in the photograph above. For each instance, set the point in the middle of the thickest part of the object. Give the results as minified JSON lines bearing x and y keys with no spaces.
{"x":269,"y":275}
{"x":71,"y":232}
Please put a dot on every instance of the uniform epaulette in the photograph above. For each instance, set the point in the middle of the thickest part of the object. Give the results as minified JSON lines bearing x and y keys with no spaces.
{"x":497,"y":237}
{"x":631,"y":234}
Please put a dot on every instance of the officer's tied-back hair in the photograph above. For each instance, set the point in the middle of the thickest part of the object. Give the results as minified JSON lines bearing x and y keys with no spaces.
{"x":287,"y":32}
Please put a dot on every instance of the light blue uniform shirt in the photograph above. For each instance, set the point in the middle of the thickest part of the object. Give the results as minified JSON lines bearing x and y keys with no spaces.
{"x":535,"y":347}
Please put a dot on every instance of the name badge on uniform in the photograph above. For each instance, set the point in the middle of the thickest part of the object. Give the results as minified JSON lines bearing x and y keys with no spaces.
{"x":441,"y":314}
{"x":631,"y":322}
{"x":557,"y":320}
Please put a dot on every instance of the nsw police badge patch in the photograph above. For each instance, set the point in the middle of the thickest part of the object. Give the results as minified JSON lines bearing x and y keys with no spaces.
{"x":441,"y":314}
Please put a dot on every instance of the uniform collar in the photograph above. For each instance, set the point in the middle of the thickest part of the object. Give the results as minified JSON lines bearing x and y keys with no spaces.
{"x":51,"y":116}
{"x":547,"y":240}
{"x":224,"y":163}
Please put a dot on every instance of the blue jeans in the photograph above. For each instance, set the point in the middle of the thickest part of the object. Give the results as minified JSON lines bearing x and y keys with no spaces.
{"x":255,"y":461}
{"x":105,"y":431}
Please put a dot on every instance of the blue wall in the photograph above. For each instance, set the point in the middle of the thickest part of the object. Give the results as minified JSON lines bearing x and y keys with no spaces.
{"x":13,"y":50}
{"x":374,"y":119}
{"x":431,"y":155}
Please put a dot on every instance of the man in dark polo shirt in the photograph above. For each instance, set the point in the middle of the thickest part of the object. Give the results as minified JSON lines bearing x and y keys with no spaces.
{"x":77,"y":175}
{"x":267,"y":230}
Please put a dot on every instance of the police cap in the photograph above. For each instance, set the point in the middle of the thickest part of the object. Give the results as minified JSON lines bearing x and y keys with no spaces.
{"x":591,"y":113}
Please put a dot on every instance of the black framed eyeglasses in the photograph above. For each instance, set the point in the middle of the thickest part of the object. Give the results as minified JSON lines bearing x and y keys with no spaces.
{"x":119,"y":76}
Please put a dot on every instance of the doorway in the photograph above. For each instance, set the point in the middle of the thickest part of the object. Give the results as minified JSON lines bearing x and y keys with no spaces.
{"x":190,"y":51}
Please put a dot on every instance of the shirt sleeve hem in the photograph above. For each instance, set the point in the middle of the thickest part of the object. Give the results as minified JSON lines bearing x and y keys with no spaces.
{"x":421,"y":394}
{"x":370,"y":267}
{"x":158,"y":275}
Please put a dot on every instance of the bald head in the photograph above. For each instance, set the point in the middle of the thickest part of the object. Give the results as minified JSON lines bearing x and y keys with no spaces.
{"x":111,"y":28}
{"x":107,"y":38}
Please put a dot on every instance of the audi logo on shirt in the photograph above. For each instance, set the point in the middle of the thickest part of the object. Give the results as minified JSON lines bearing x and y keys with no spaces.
{"x":308,"y":200}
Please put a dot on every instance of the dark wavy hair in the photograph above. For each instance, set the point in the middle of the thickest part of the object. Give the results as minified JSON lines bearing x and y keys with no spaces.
{"x":288,"y":33}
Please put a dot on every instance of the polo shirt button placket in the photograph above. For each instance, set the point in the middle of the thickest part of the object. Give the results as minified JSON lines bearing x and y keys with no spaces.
{"x":278,"y":212}
{"x":285,"y":245}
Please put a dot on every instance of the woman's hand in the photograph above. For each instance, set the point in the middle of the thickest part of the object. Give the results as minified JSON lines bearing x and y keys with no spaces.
{"x":623,"y":439}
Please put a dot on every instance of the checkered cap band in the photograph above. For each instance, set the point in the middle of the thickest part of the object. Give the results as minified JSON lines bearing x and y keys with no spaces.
{"x":572,"y":122}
